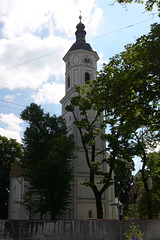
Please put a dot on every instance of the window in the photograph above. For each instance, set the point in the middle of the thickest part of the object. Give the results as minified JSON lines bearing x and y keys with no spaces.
{"x":68,"y":82}
{"x":90,"y":213}
{"x":87,"y":77}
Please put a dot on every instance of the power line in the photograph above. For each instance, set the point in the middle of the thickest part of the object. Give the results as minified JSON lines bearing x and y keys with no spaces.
{"x":34,"y":59}
{"x":29,"y":89}
{"x":37,"y":58}
{"x":131,"y":25}
{"x":1,"y":100}
{"x":12,"y":103}
{"x":11,"y":108}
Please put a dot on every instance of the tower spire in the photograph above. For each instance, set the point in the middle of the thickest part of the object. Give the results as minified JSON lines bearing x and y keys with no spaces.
{"x":80,"y":16}
{"x":80,"y":33}
{"x":80,"y":37}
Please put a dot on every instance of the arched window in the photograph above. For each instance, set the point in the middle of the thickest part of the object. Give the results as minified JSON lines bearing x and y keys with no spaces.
{"x":68,"y":82}
{"x":87,"y":77}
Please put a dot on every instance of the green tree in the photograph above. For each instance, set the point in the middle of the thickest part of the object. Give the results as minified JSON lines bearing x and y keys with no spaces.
{"x":122,"y":150}
{"x":123,"y":183}
{"x":153,"y":173}
{"x":48,"y":152}
{"x":91,"y":127}
{"x":128,"y":89}
{"x":9,"y":150}
{"x":149,"y":4}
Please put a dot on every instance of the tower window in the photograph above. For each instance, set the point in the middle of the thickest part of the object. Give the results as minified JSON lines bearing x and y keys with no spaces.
{"x":68,"y":82}
{"x":90,"y":214}
{"x":87,"y":77}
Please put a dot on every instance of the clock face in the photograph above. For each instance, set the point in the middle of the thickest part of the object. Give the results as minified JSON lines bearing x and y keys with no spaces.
{"x":87,"y":60}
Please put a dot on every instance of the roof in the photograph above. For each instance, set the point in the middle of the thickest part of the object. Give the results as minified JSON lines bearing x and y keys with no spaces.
{"x":81,"y":45}
{"x":80,"y":38}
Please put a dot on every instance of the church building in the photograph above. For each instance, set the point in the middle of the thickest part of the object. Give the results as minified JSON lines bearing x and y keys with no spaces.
{"x":81,"y":66}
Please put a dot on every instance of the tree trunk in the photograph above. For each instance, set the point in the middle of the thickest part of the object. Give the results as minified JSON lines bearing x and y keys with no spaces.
{"x":99,"y":206}
{"x":144,"y":179}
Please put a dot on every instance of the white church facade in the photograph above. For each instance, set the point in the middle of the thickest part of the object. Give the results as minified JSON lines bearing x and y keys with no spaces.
{"x":81,"y":66}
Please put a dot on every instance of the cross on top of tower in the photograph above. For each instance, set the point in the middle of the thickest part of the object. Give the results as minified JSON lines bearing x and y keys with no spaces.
{"x":80,"y":16}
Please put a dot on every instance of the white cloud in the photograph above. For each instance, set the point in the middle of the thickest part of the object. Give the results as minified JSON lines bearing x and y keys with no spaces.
{"x":21,"y":17}
{"x":101,"y":60}
{"x":11,"y":126}
{"x":35,"y":73}
{"x":31,"y":29}
{"x":10,"y":98}
{"x":50,"y":93}
{"x":11,"y":134}
{"x":66,"y":17}
{"x":94,"y":20}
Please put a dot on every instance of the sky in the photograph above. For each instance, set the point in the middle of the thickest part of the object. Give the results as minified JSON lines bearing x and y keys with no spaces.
{"x":36,"y":34}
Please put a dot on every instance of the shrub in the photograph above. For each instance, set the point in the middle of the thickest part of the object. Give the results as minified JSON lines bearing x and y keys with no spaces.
{"x":134,"y":233}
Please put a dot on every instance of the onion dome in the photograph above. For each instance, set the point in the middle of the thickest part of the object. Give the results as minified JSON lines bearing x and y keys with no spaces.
{"x":80,"y":38}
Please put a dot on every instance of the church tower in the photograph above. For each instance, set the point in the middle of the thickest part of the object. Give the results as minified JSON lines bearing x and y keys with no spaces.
{"x":81,"y":66}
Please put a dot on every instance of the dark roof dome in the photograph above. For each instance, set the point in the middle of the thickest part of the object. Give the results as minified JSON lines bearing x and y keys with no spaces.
{"x":80,"y":26}
{"x":81,"y":45}
{"x":80,"y":38}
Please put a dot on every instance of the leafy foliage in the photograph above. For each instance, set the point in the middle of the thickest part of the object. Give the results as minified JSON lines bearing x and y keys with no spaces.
{"x":134,"y":233}
{"x":131,"y":82}
{"x":91,"y":126}
{"x":152,"y":171}
{"x":47,"y":160}
{"x":127,"y":92}
{"x":149,"y":4}
{"x":123,"y":183}
{"x":9,"y":150}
